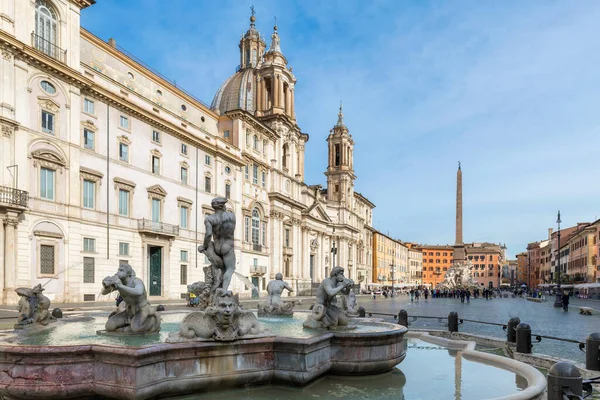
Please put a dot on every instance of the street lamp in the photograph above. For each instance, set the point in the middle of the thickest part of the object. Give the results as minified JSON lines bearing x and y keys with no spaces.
{"x":557,"y":300}
{"x":393,"y":270}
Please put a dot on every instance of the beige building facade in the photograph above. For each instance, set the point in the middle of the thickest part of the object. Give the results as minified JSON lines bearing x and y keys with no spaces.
{"x":104,"y":161}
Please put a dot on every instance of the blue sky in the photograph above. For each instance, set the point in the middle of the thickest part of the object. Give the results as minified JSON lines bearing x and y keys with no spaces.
{"x":510,"y":88}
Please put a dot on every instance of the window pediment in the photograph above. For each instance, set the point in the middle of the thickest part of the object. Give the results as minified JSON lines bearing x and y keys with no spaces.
{"x":182,"y":201}
{"x":90,"y":174}
{"x":156,"y":153}
{"x":89,"y":124}
{"x":184,"y":164}
{"x":124,"y":184}
{"x":49,"y":104}
{"x":48,"y":157}
{"x":124,"y":139}
{"x":156,"y":192}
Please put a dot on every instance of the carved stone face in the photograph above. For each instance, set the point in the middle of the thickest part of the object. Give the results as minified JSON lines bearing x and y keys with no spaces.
{"x":340,"y":276}
{"x":122,"y":273}
{"x":226,"y":308}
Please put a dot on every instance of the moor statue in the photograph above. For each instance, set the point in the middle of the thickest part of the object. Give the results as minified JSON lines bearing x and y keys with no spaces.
{"x":326,"y":313}
{"x":219,"y":227}
{"x":139,"y":316}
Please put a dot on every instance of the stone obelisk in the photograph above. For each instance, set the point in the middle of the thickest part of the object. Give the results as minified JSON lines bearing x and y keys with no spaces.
{"x":459,"y":247}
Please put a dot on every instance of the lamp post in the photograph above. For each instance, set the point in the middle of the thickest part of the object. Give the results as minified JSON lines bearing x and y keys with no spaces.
{"x":393,"y":270}
{"x":557,"y":300}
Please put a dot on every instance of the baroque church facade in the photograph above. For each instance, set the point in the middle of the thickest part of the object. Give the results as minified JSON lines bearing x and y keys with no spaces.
{"x":104,"y":161}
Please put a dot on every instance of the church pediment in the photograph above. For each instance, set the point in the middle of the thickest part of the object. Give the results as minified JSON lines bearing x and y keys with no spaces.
{"x":316,"y":211}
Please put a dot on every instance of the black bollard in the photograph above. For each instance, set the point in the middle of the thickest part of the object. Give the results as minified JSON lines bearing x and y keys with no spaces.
{"x":160,"y":307}
{"x":361,"y":312}
{"x":524,"y":338}
{"x":564,"y":377}
{"x":453,"y":321}
{"x":57,"y":313}
{"x":592,"y":352}
{"x":403,"y":318}
{"x":511,"y":334}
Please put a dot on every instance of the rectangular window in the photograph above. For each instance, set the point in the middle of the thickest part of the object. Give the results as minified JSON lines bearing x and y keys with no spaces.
{"x":47,"y":122}
{"x":124,"y":203}
{"x":88,"y":106}
{"x":89,"y":269}
{"x":183,"y":255}
{"x":207,"y":160}
{"x":88,"y":139}
{"x":265,"y":146}
{"x":156,"y":137}
{"x":155,"y":165}
{"x":156,"y":210}
{"x":123,"y":249}
{"x":287,"y":238}
{"x":183,"y":275}
{"x":246,"y":229}
{"x":207,"y":184}
{"x":89,"y":245}
{"x":227,"y":191}
{"x":47,"y":259}
{"x":124,"y":122}
{"x":89,"y":189}
{"x":184,"y":175}
{"x":123,"y":152}
{"x":183,"y":217}
{"x":255,"y":174}
{"x":264,"y":179}
{"x":226,"y":134}
{"x":264,"y":233}
{"x":247,"y":139}
{"x":183,"y":148}
{"x":246,"y":171}
{"x":47,"y":183}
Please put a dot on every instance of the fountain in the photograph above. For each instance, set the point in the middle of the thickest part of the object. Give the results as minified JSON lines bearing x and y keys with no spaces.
{"x":274,"y":305}
{"x":459,"y":275}
{"x":221,"y":346}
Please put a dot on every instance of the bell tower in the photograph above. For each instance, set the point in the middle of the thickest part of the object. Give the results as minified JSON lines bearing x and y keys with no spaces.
{"x":340,"y":168}
{"x":252,"y":46}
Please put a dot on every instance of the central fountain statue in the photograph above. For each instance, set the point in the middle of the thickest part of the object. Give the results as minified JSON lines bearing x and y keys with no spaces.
{"x":33,"y":307}
{"x":139,"y":317}
{"x":326,"y":313}
{"x":223,"y":319}
{"x":274,"y":305}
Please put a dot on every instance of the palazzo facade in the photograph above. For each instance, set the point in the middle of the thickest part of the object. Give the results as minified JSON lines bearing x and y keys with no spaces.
{"x":104,"y":161}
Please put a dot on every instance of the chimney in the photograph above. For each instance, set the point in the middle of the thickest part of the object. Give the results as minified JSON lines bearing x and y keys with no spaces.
{"x":549,"y":233}
{"x":112,"y":43}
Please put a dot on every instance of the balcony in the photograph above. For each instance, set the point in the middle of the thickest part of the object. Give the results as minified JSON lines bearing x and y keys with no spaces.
{"x":256,"y":247}
{"x":14,"y":197}
{"x":288,"y":251}
{"x":258,"y":270}
{"x":160,"y":228}
{"x":48,"y":48}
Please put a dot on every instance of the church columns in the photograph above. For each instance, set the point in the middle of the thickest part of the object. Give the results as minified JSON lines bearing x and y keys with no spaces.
{"x":10,"y":248}
{"x":280,"y":91}
{"x":276,"y":91}
{"x":292,"y":108}
{"x":259,"y":95}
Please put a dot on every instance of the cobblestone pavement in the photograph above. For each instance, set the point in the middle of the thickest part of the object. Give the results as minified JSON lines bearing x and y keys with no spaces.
{"x":543,"y":318}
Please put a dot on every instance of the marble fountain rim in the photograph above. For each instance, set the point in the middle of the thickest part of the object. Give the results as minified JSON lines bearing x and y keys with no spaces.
{"x":536,"y":382}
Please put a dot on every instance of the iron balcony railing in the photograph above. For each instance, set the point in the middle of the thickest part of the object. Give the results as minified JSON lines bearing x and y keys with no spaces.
{"x":14,"y":196}
{"x":48,"y":48}
{"x":146,"y":225}
{"x":258,"y":269}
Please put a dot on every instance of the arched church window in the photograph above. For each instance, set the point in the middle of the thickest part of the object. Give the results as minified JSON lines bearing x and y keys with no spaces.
{"x":45,"y":28}
{"x":254,"y":58}
{"x":286,"y":154}
{"x":337,"y":155}
{"x":255,"y":227}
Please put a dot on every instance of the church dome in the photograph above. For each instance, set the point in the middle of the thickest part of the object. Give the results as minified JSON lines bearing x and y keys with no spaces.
{"x":237,"y":92}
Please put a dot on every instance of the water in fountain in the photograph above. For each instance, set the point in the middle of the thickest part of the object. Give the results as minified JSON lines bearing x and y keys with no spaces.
{"x":247,"y":282}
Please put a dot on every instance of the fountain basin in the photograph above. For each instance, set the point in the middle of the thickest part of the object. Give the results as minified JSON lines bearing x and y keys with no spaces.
{"x":166,"y":369}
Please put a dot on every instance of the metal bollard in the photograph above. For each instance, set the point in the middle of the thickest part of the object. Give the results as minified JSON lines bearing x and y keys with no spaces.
{"x":565,"y":378}
{"x":524,"y":338}
{"x":453,"y":321}
{"x":511,"y":334}
{"x":361,"y":312}
{"x":592,"y":352}
{"x":403,"y":318}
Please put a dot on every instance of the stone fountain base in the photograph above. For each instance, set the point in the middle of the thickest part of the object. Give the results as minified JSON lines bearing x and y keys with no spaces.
{"x":168,"y":369}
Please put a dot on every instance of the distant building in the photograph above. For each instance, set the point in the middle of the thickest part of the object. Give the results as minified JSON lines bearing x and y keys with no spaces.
{"x":390,"y":261}
{"x":437,"y":259}
{"x":522,"y":268}
{"x":415,"y":264}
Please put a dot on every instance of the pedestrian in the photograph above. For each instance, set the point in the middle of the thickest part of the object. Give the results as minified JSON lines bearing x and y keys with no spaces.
{"x":565,"y":300}
{"x":468,"y":294}
{"x":412,"y":295}
{"x":426,"y":294}
{"x":462,"y":296}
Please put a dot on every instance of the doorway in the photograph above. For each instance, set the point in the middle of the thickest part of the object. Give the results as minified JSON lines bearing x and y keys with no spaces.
{"x":155,"y":271}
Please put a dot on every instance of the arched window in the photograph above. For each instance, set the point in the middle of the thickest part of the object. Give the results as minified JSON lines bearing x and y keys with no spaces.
{"x":255,"y":227}
{"x":45,"y":28}
{"x":286,"y":154}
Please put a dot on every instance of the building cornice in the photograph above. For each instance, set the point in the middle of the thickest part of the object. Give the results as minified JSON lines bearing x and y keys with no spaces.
{"x":84,"y":3}
{"x":253,"y":122}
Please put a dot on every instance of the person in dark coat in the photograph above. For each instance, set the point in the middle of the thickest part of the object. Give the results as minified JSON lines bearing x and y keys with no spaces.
{"x":565,"y":300}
